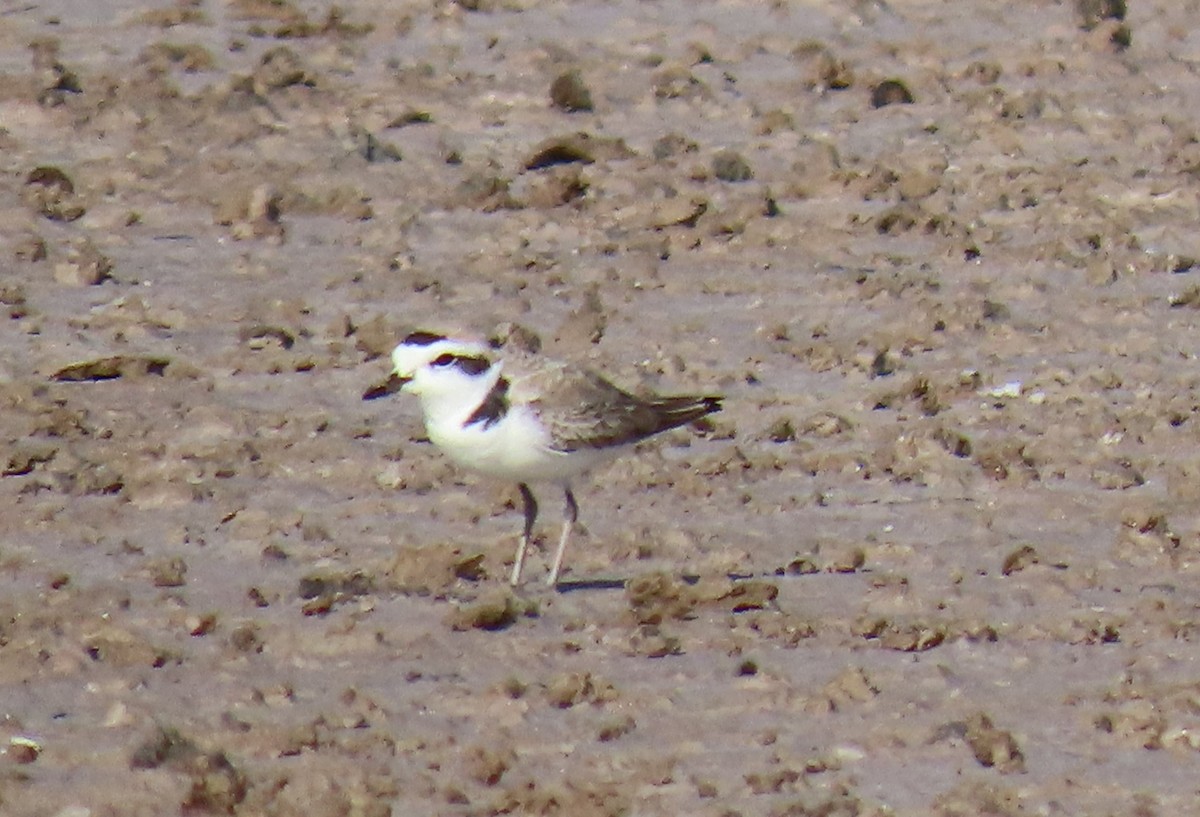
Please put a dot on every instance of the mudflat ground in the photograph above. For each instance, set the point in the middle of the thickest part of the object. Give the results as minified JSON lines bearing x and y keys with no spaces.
{"x":939,"y":555}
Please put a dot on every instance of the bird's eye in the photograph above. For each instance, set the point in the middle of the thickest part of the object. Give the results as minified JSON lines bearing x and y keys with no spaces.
{"x":443,"y":359}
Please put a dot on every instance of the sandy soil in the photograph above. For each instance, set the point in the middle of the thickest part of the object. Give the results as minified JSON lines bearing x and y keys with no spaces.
{"x":939,"y":555}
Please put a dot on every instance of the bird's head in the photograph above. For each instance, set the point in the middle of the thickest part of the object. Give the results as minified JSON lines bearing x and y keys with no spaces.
{"x":439,"y":370}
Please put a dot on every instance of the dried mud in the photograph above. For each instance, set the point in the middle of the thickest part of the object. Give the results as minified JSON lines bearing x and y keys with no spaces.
{"x":939,"y":555}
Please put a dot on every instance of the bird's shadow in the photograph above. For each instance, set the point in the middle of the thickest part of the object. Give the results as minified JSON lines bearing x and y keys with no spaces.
{"x":590,"y":584}
{"x":620,"y":584}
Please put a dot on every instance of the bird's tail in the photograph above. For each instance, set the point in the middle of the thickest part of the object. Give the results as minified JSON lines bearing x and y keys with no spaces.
{"x":672,"y":412}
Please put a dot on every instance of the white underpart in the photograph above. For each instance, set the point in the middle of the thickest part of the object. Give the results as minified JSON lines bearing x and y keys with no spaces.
{"x":515,"y":447}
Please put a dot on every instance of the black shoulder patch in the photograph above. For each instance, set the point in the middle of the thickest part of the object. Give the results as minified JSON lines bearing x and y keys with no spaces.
{"x":422,"y":339}
{"x":472,"y":364}
{"x":494,"y":406}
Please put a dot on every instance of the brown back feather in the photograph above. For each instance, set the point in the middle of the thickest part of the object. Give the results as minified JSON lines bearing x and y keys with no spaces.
{"x":603,"y":416}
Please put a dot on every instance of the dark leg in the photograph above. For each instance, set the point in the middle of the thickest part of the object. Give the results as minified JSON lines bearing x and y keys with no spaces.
{"x":570,"y":514}
{"x":531,"y":512}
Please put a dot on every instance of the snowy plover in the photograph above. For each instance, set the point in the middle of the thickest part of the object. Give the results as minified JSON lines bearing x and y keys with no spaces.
{"x":510,"y":414}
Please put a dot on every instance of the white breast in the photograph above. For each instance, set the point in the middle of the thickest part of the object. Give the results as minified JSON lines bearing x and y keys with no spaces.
{"x":515,"y":448}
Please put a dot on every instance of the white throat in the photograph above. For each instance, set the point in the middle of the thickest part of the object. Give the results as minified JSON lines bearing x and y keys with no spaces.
{"x":448,"y":399}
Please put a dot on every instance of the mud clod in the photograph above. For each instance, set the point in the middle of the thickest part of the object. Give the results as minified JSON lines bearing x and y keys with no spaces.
{"x":569,"y":93}
{"x":1019,"y":559}
{"x":84,"y":265}
{"x":574,"y":688}
{"x":891,"y":92}
{"x":111,"y":368}
{"x":51,"y":193}
{"x":166,"y":745}
{"x":993,"y":747}
{"x":496,"y":609}
{"x":729,"y":166}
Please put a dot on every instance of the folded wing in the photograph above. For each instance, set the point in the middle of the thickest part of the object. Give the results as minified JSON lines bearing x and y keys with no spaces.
{"x":583,"y":410}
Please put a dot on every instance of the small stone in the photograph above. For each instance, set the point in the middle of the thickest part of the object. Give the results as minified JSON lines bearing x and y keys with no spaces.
{"x":320,"y":606}
{"x":617,"y":727}
{"x":650,"y":641}
{"x":484,"y":191}
{"x":30,"y":247}
{"x":569,"y":93}
{"x":251,"y":214}
{"x":558,"y":152}
{"x":915,"y":637}
{"x":673,"y":144}
{"x":581,"y":148}
{"x":677,"y":82}
{"x":166,"y":744}
{"x":802,"y":566}
{"x":782,"y":431}
{"x":729,"y":166}
{"x":1117,"y":475}
{"x":572,"y":688}
{"x":245,"y":638}
{"x":110,"y":368}
{"x":190,"y":57}
{"x":992,"y":747}
{"x":679,"y":211}
{"x":25,"y":455}
{"x":831,"y":73}
{"x":890,"y":92}
{"x":754,"y":594}
{"x":656,"y":597}
{"x":411,"y":116}
{"x":217,"y":786}
{"x":168,"y":572}
{"x":851,"y":686}
{"x":54,"y":79}
{"x":846,"y":558}
{"x":371,"y":148}
{"x":375,"y":337}
{"x":556,"y":187}
{"x":1093,"y":12}
{"x":279,"y":68}
{"x":898,"y":220}
{"x":84,"y":266}
{"x":882,"y":364}
{"x":775,"y":121}
{"x":516,"y":337}
{"x":23,"y":750}
{"x":262,"y":336}
{"x":1020,"y":559}
{"x":198,"y":625}
{"x":335,"y":583}
{"x":486,"y":765}
{"x":496,"y":610}
{"x":826,"y":424}
{"x":50,"y":192}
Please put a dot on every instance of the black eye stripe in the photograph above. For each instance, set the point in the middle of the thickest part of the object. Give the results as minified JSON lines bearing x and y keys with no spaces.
{"x":422,"y":339}
{"x":468,"y":364}
{"x":473,"y":364}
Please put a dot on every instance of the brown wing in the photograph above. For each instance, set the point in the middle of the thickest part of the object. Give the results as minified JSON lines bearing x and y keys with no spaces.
{"x":583,"y":410}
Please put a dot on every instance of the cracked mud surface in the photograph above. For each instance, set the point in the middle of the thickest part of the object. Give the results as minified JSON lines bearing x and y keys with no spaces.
{"x":939,"y":555}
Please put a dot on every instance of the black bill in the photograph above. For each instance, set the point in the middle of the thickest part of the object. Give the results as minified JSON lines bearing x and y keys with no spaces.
{"x":393,"y":384}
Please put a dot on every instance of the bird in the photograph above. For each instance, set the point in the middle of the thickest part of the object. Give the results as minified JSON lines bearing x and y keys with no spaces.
{"x":504,"y":411}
